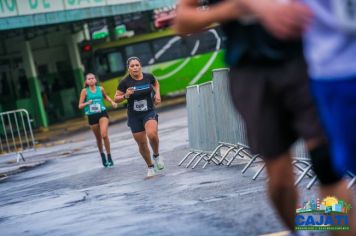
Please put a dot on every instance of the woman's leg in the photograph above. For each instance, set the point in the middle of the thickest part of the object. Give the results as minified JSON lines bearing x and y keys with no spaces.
{"x":151,"y":128}
{"x":104,"y":123}
{"x":96,"y":130}
{"x":141,"y":140}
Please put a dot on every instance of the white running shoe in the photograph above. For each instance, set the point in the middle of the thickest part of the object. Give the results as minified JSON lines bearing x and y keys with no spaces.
{"x":151,"y":172}
{"x":159,"y":164}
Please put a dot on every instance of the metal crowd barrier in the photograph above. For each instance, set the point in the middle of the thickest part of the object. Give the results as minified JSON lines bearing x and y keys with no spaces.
{"x":231,"y":126}
{"x":217,"y":132}
{"x":230,"y":129}
{"x":201,"y":113}
{"x":16,"y":133}
{"x":302,"y":163}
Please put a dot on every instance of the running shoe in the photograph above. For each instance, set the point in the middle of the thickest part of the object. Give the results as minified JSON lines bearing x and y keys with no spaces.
{"x":110,"y":162}
{"x":151,"y":172}
{"x":103,"y":159}
{"x":158,"y":162}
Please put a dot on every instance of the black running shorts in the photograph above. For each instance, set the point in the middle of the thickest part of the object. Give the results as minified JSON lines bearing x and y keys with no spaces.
{"x":276,"y":105}
{"x":94,"y":119}
{"x":137,"y":121}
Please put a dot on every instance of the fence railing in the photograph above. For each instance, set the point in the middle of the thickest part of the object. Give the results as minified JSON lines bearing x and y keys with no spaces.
{"x":16,"y":133}
{"x":217,"y":132}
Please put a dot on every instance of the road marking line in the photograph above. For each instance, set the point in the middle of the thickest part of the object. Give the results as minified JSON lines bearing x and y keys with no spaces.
{"x":281,"y":233}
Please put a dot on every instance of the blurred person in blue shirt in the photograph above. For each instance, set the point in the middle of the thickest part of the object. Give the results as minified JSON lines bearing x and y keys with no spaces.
{"x":262,"y":51}
{"x":330,"y":50}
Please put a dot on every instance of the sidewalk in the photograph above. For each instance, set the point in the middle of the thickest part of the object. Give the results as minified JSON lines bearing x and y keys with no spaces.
{"x":58,"y":134}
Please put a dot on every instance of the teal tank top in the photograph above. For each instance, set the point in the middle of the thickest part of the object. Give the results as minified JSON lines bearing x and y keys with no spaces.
{"x":98,"y":102}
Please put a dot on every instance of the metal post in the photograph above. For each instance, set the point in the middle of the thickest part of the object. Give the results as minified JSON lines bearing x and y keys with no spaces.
{"x":18,"y":130}
{"x":5,"y":132}
{"x":24,"y":128}
{"x":12,"y":133}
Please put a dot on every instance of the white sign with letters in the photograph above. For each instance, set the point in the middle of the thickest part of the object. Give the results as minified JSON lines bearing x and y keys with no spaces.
{"x":115,"y":2}
{"x":10,"y":8}
{"x":76,"y":4}
{"x":27,"y":7}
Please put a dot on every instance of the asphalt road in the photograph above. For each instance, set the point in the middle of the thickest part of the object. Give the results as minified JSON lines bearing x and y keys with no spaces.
{"x":71,"y":194}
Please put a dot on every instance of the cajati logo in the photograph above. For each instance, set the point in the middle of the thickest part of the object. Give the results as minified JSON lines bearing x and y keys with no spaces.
{"x":327,"y":214}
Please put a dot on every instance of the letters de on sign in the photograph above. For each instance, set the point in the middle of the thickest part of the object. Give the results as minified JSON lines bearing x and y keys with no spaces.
{"x":29,"y":7}
{"x":8,"y":8}
{"x":75,"y":4}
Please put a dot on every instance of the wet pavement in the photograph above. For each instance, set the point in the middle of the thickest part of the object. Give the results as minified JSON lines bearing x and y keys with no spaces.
{"x":70,"y":193}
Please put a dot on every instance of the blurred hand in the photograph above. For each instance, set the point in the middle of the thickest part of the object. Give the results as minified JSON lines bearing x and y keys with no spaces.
{"x":129,"y":91}
{"x":114,"y":104}
{"x":285,"y":20}
{"x":234,"y":9}
{"x":89,"y":102}
{"x":157,"y":99}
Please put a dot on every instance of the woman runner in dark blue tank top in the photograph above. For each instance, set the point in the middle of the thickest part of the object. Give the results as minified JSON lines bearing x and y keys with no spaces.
{"x":137,"y":88}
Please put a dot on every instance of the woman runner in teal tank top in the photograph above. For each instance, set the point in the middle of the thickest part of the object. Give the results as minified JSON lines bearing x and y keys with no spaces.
{"x":97,"y":101}
{"x":92,"y":100}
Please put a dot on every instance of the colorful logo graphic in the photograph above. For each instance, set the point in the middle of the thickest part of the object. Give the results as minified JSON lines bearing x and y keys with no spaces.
{"x":327,"y":214}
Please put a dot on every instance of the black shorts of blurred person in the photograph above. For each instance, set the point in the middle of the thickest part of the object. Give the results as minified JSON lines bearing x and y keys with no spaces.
{"x":92,"y":100}
{"x":138,"y":88}
{"x":269,"y":87}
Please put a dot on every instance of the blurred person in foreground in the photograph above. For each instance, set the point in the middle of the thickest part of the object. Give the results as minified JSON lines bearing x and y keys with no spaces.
{"x":269,"y":82}
{"x":330,"y":50}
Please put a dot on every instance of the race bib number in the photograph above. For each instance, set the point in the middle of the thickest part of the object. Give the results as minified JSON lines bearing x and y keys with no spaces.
{"x":140,"y":105}
{"x":345,"y":13}
{"x":95,"y":108}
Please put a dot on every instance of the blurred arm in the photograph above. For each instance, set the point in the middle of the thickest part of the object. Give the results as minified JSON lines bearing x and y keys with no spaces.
{"x":82,"y":104}
{"x":119,"y":96}
{"x":156,"y":87}
{"x":190,"y":18}
{"x":157,"y":93}
{"x":107,"y":98}
{"x":284,"y":19}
